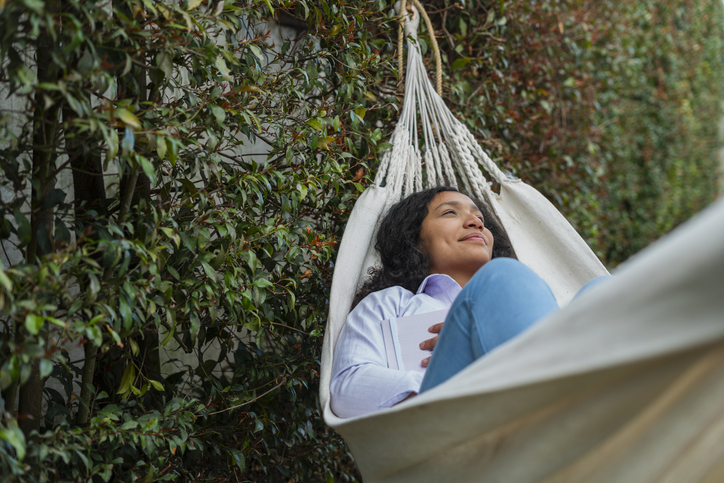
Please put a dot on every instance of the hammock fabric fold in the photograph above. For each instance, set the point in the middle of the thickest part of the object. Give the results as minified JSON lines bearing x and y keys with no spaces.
{"x":623,"y":384}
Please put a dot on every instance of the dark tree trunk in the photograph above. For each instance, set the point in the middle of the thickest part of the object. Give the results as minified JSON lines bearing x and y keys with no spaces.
{"x":90,"y":192}
{"x":45,"y":130}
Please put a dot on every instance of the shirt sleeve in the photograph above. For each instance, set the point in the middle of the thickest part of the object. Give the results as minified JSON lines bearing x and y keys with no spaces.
{"x":361,"y":381}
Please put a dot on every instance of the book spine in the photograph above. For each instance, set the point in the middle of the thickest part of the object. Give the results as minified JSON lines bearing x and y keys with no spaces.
{"x":396,"y":343}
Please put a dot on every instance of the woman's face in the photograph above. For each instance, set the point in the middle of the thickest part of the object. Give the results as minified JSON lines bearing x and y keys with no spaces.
{"x":454,"y":237}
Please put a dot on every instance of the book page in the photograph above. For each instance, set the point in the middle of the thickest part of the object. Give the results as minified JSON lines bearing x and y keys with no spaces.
{"x":411,"y":331}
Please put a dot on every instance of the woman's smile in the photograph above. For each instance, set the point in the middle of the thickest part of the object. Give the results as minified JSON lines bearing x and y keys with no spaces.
{"x":478,"y":237}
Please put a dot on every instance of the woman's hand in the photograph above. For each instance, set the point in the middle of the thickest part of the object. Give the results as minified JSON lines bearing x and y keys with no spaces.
{"x":429,"y":344}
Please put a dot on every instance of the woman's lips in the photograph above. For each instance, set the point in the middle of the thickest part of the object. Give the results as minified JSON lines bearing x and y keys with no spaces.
{"x":476,"y":237}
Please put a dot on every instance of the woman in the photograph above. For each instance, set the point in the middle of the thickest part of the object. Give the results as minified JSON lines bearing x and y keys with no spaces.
{"x":439,"y":249}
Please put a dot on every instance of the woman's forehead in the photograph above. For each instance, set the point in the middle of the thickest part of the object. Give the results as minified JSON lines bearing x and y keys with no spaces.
{"x":451,"y":198}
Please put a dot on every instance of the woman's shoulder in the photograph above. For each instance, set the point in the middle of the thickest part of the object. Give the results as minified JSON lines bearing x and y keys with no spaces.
{"x":385,"y":303}
{"x":394,"y":295}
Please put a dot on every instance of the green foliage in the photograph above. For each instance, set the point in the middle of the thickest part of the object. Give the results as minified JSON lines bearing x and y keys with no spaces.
{"x":119,"y":442}
{"x":230,"y":165}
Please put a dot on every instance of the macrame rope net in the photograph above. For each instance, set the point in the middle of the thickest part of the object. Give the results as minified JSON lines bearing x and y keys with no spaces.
{"x":448,"y":146}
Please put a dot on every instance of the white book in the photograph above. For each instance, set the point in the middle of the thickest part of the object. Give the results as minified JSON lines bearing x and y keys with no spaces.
{"x":403,"y":336}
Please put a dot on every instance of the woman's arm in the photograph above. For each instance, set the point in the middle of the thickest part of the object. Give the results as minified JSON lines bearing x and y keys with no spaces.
{"x":361,"y":381}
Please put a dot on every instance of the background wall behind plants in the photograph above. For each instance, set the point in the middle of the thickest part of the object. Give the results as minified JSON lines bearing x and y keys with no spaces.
{"x":210,"y":170}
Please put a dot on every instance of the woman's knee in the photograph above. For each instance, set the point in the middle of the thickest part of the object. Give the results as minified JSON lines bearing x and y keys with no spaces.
{"x":592,"y":283}
{"x":502,"y":270}
{"x":507,"y":278}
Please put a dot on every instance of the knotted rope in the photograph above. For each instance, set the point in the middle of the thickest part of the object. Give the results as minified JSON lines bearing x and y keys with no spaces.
{"x":401,"y":37}
{"x":428,"y":131}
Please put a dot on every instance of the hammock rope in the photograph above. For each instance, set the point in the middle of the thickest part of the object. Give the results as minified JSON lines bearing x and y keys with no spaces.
{"x":450,"y":154}
{"x":401,"y":7}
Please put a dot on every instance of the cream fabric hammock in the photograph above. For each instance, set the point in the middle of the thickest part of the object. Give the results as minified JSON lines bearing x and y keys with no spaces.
{"x":623,"y":384}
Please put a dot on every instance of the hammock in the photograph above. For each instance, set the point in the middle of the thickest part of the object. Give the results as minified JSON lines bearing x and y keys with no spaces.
{"x":623,"y":384}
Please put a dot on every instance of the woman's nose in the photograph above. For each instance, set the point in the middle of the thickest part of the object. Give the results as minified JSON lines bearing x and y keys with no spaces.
{"x":474,"y":222}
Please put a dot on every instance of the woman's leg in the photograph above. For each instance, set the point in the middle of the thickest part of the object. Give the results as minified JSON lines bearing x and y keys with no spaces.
{"x":590,"y":284}
{"x":502,"y":300}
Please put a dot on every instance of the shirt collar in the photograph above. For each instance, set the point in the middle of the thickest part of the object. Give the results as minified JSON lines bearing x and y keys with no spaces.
{"x":440,"y":286}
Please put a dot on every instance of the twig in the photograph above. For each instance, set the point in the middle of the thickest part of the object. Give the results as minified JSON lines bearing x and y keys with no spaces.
{"x":288,"y":327}
{"x":250,"y":400}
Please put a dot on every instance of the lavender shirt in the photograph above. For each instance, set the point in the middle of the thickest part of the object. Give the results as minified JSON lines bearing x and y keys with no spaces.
{"x":361,"y":381}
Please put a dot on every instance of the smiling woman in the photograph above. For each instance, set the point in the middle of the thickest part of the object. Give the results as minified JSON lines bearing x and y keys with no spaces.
{"x":439,"y":250}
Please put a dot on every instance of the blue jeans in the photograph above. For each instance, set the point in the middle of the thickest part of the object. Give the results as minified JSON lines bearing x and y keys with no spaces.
{"x":502,"y":299}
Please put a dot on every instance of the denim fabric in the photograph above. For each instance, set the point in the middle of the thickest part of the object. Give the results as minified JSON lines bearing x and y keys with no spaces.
{"x":502,"y":300}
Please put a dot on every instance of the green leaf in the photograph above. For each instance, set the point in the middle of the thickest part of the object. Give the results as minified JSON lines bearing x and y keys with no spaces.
{"x":223,"y":68}
{"x":128,"y":425}
{"x":33,"y":323}
{"x":165,"y":64}
{"x":13,"y":435}
{"x":127,"y":379}
{"x":360,"y":111}
{"x":126,"y":313}
{"x":218,"y":113}
{"x":161,"y":147}
{"x":460,"y":63}
{"x":112,"y":144}
{"x":257,"y":53}
{"x":23,"y":227}
{"x":254,"y":89}
{"x":210,"y":272}
{"x":94,"y":285}
{"x":238,"y":459}
{"x":46,"y":367}
{"x":190,"y":187}
{"x":315,"y":124}
{"x":262,"y":283}
{"x":134,"y":347}
{"x":172,"y":148}
{"x":128,"y":117}
{"x":168,"y":337}
{"x":5,"y":281}
{"x":195,"y":325}
{"x":148,"y":168}
{"x":325,"y":142}
{"x":129,"y":141}
{"x":55,"y":321}
{"x":156,"y":385}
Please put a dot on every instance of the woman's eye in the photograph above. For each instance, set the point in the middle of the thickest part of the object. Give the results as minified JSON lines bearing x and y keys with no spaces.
{"x":448,"y":212}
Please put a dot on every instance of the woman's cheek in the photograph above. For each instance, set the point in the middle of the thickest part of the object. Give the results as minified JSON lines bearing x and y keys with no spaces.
{"x":489,"y":236}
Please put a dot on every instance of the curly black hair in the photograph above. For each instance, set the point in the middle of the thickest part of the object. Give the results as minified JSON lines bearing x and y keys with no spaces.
{"x":398,"y":241}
